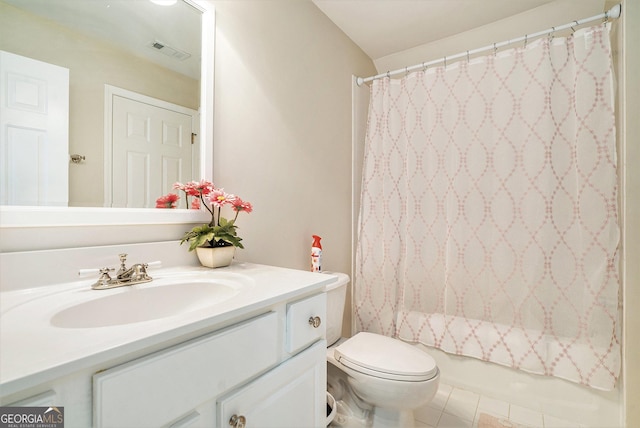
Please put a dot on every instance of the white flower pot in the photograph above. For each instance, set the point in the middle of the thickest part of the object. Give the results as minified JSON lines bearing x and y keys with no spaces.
{"x":214,"y":257}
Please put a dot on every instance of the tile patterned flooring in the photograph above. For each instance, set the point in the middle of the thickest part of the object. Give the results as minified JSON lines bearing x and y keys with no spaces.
{"x":458,"y":408}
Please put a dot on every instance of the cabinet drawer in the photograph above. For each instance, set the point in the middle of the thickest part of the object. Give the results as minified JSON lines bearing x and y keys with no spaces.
{"x":301,"y":330}
{"x":161,"y":387}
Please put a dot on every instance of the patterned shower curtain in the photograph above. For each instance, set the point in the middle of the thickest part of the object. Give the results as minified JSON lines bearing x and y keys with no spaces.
{"x":488,"y":223}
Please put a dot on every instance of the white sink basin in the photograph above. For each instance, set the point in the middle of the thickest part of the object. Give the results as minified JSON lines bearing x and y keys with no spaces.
{"x":143,"y":302}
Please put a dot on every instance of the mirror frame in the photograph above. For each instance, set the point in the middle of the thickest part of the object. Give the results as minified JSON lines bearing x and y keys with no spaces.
{"x":39,"y":216}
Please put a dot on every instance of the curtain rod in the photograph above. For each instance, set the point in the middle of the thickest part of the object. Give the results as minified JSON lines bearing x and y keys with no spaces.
{"x":614,"y":13}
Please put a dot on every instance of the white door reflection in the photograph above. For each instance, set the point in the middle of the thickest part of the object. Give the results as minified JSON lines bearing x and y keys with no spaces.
{"x":34,"y":132}
{"x":152,"y":147}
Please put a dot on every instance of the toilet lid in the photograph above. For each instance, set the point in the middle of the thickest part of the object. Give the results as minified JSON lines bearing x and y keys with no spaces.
{"x":385,"y":357}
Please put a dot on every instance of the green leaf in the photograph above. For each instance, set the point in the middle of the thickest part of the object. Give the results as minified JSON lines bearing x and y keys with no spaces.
{"x":226,"y":231}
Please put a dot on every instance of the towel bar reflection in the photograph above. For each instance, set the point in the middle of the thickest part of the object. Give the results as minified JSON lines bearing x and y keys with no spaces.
{"x":77,"y":158}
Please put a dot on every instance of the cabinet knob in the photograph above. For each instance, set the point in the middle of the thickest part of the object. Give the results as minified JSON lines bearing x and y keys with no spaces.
{"x":237,"y":421}
{"x":315,"y":322}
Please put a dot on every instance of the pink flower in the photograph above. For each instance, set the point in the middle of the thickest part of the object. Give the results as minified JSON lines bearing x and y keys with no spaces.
{"x":218,"y":197}
{"x":167,"y":201}
{"x":212,"y":199}
{"x":191,"y":190}
{"x":203,"y":187}
{"x":187,"y":188}
{"x":240,"y":205}
{"x":195,"y":188}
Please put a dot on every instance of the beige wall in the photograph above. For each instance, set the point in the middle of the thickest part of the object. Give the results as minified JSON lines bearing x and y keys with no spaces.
{"x":92,"y":64}
{"x":282,"y":128}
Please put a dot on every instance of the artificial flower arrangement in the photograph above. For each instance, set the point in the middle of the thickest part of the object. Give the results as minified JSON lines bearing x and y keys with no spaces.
{"x":219,"y":232}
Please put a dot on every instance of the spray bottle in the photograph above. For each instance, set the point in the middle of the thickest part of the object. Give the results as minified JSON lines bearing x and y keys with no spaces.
{"x":316,"y":254}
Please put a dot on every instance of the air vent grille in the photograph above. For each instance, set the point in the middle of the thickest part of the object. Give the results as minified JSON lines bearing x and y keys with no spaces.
{"x":169,"y":51}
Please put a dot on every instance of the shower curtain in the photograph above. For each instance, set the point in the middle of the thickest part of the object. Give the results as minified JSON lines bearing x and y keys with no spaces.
{"x":488,"y":220}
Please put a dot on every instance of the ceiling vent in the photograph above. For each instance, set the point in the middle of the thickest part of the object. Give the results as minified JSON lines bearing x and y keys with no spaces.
{"x":169,"y":51}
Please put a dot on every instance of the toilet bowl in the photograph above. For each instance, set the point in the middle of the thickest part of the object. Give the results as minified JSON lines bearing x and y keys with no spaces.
{"x":377,"y":381}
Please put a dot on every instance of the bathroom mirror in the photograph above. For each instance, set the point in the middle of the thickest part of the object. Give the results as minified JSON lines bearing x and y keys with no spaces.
{"x":140,"y":16}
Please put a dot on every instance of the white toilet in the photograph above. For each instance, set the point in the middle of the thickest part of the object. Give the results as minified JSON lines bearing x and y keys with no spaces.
{"x":377,"y":381}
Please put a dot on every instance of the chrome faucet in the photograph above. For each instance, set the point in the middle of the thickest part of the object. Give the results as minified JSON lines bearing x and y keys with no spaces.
{"x":136,"y":274}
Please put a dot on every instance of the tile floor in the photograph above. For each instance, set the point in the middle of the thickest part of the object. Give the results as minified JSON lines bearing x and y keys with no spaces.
{"x":458,"y":408}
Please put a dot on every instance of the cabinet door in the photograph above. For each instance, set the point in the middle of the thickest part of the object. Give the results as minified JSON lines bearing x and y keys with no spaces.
{"x":291,"y":395}
{"x":167,"y":386}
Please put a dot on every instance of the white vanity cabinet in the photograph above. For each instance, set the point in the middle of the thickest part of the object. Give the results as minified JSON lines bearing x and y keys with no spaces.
{"x":258,"y":353}
{"x":269,"y":370}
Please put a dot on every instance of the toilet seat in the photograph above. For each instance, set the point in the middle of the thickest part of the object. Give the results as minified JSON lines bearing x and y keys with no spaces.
{"x":386,"y":358}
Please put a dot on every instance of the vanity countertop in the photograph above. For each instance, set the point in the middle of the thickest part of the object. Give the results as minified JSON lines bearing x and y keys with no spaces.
{"x":37,"y":347}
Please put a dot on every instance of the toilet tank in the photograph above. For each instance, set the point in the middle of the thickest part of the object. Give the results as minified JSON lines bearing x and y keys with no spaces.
{"x":336,"y":296}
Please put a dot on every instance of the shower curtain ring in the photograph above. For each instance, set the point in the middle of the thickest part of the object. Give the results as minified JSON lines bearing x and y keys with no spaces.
{"x":573,"y":30}
{"x":526,"y":36}
{"x":495,"y":49}
{"x":553,"y":30}
{"x":424,"y":66}
{"x":445,"y":62}
{"x":467,"y":57}
{"x":389,"y":74}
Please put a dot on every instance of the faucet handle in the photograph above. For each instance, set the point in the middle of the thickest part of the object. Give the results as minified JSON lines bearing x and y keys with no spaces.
{"x":85,"y":272}
{"x":104,"y":277}
{"x":104,"y":280}
{"x":104,"y":272}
